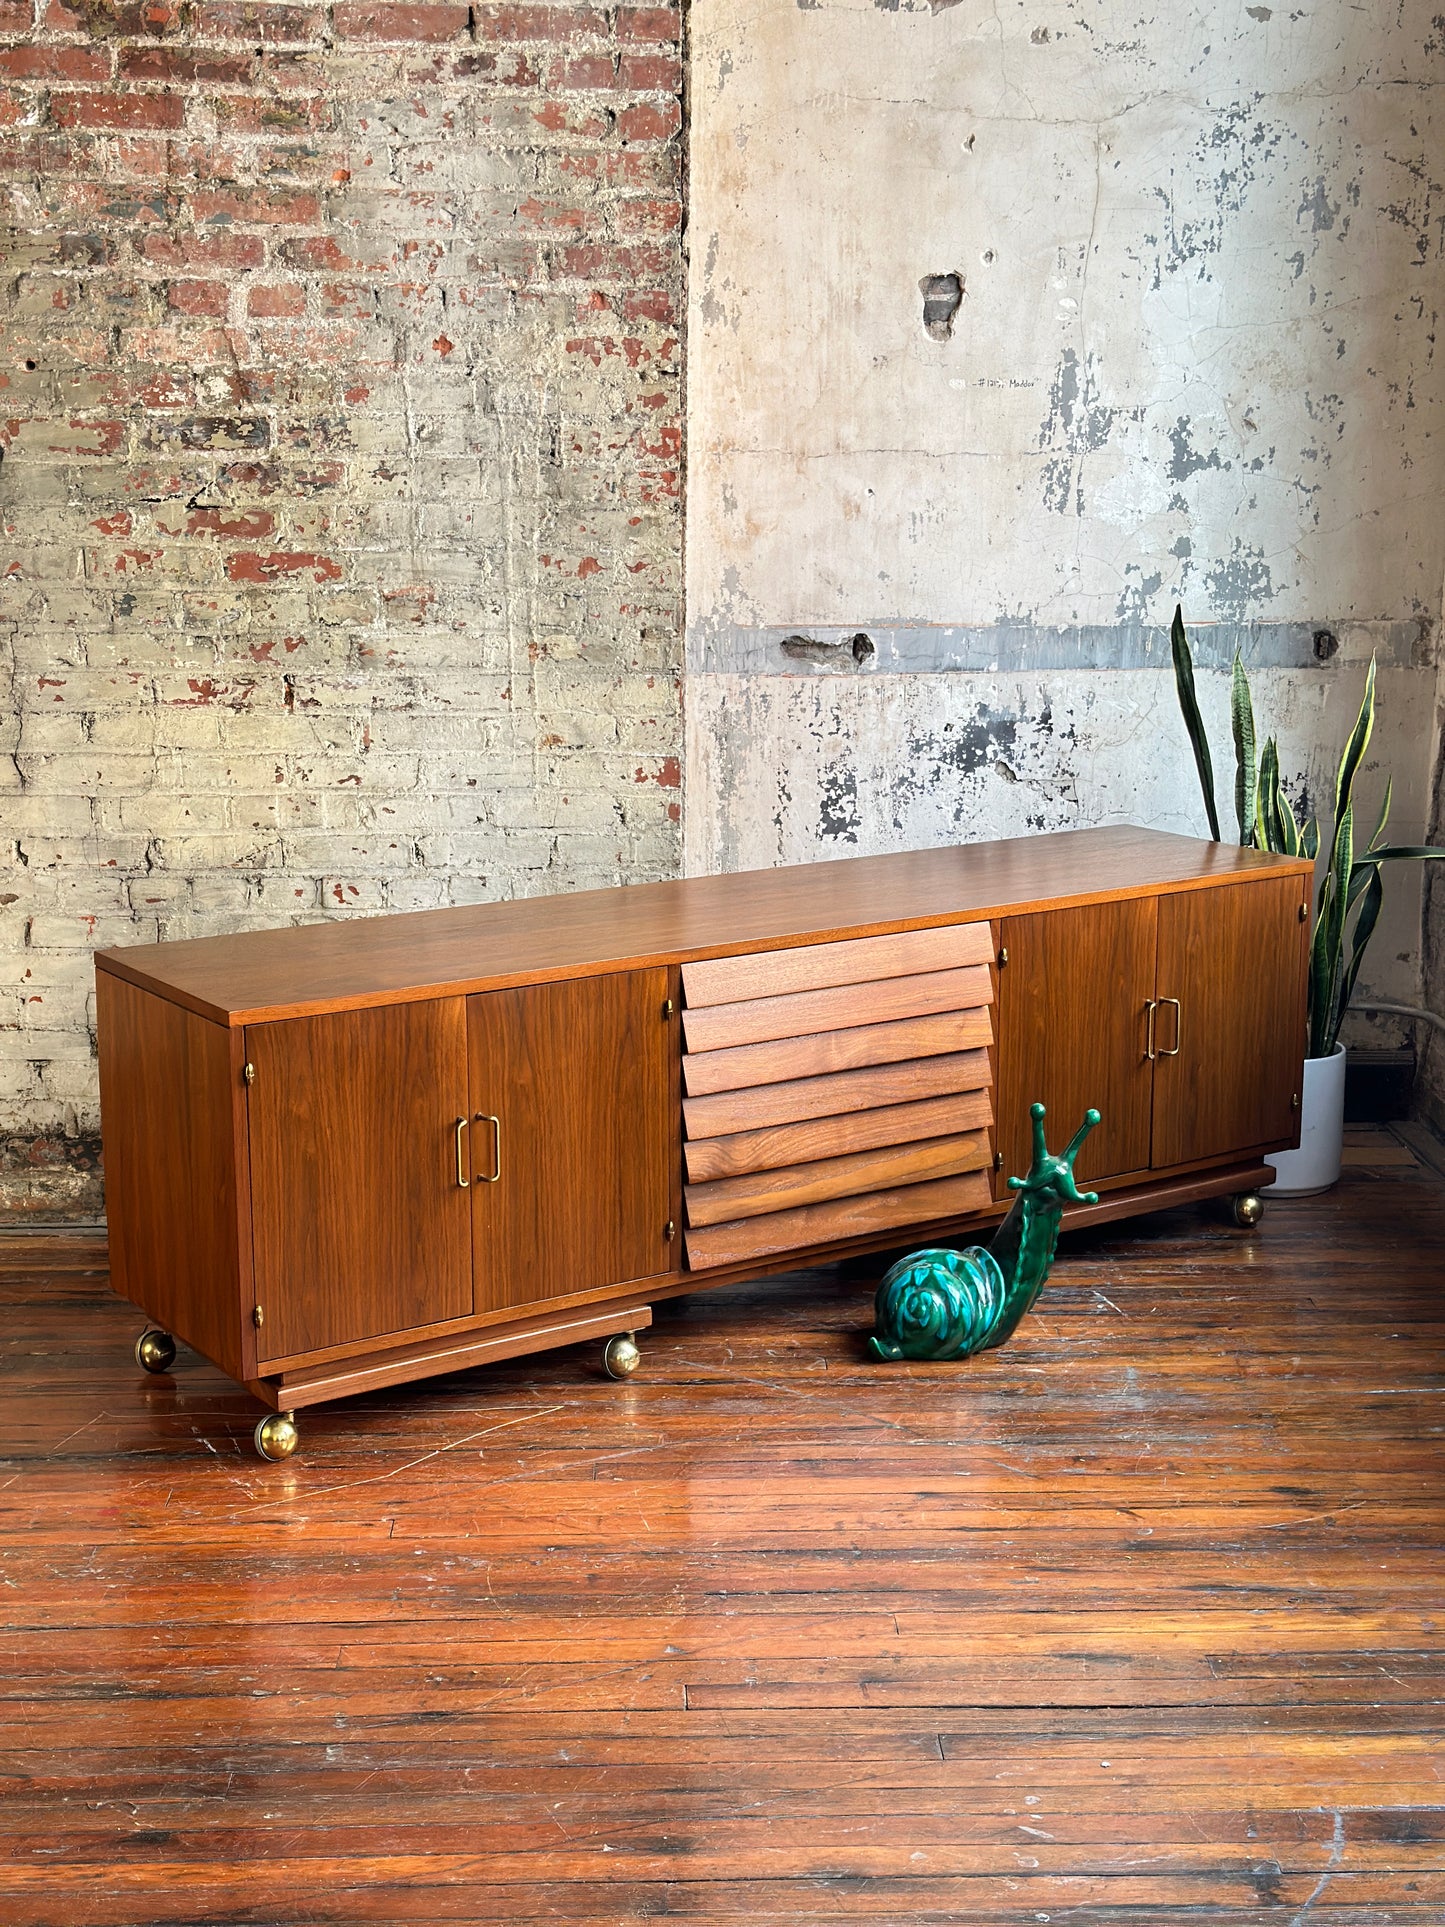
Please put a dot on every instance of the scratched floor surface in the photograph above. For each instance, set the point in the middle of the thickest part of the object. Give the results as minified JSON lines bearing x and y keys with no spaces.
{"x":1140,"y":1620}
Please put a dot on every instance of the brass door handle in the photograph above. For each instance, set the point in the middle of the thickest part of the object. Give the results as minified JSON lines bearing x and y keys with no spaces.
{"x":1151,"y":1010}
{"x":485,"y":1117}
{"x":1178,"y":1026}
{"x":462,"y":1179}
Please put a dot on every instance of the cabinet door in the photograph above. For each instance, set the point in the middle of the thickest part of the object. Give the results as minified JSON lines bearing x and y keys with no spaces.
{"x":1230,"y":1030}
{"x":1073,"y":1005}
{"x":360,"y":1224}
{"x":571,"y":1184}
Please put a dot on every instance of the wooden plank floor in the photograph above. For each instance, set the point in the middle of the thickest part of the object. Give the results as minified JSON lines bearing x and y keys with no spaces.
{"x":1139,"y":1620}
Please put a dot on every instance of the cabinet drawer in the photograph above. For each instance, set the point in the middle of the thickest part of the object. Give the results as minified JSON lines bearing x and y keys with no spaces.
{"x":819,"y":1224}
{"x":835,"y":1089}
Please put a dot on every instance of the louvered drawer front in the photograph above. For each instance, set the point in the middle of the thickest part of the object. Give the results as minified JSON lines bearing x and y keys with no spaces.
{"x":836,"y":1090}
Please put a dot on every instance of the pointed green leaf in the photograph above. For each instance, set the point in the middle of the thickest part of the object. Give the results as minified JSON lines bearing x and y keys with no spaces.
{"x":1193,"y":721}
{"x":1384,"y":812}
{"x":1276,"y":829}
{"x":1360,"y":875}
{"x":1406,"y":852}
{"x":1241,"y":716}
{"x":1356,"y":746}
{"x":1364,"y":929}
{"x":1327,"y":962}
{"x":1309,"y":841}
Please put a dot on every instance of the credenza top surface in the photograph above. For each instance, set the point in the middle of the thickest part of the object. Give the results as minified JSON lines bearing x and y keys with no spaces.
{"x":302,"y":970}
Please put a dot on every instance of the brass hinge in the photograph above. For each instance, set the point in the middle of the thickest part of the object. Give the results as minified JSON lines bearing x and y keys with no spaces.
{"x":998,"y":1160}
{"x":249,"y":1073}
{"x":668,"y":1231}
{"x":1304,"y":911}
{"x":258,"y":1316}
{"x":1003,"y":957}
{"x":1294,"y":1102}
{"x":667,"y":1007}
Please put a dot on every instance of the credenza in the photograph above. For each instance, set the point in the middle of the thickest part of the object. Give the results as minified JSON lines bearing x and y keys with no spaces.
{"x":342,"y":1156}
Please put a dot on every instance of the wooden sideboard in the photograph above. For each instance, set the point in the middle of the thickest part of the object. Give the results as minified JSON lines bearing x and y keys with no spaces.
{"x":346,"y":1155}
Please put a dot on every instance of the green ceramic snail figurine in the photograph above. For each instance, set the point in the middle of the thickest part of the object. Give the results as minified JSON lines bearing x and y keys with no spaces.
{"x":951,"y":1304}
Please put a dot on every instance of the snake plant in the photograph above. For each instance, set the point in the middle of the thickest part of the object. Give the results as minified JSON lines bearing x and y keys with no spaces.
{"x":1351,"y":889}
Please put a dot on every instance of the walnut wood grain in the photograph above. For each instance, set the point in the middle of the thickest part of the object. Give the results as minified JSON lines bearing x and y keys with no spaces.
{"x":837,"y":1050}
{"x":577,"y":1073}
{"x":1236,"y":962}
{"x":359,"y":1226}
{"x":291,"y":1391}
{"x":764,"y":1105}
{"x":1072,"y":1015}
{"x":269,"y":974}
{"x":838,"y":1177}
{"x":807,"y":1012}
{"x":821,"y":1224}
{"x":708,"y":1159}
{"x":774,"y":973}
{"x":167,"y":1085}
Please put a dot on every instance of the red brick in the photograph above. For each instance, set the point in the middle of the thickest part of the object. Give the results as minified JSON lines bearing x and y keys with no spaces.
{"x":265,"y":114}
{"x":647,"y":217}
{"x":250,"y":526}
{"x":618,"y":265}
{"x":650,"y":304}
{"x":548,"y":214}
{"x":561,"y":25}
{"x":198,"y":297}
{"x":53,"y":63}
{"x":155,"y":111}
{"x":509,"y":68}
{"x":15,"y":16}
{"x":182,"y":68}
{"x":257,"y":207}
{"x":122,"y":19}
{"x":587,"y":74}
{"x":316,"y":251}
{"x":283,"y":300}
{"x":569,"y":117}
{"x":650,"y":73}
{"x":204,"y":250}
{"x":648,"y":123}
{"x":648,"y":26}
{"x":269,"y":568}
{"x":272,"y":26}
{"x":380,"y":20}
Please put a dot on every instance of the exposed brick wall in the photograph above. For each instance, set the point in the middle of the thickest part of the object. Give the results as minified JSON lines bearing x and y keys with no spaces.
{"x":341,"y":428}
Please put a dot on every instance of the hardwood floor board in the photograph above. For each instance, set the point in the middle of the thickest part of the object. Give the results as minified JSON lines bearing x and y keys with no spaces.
{"x":768,"y":1632}
{"x":466,"y":1888}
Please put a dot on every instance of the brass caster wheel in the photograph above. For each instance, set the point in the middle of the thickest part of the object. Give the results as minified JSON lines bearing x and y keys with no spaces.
{"x":276,"y":1435}
{"x":1248,"y":1209}
{"x":155,"y":1351}
{"x":620,"y":1356}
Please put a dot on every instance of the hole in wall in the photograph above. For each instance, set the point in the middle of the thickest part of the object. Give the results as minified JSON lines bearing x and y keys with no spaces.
{"x":864,"y":648}
{"x":1326,"y":644}
{"x":942,"y":299}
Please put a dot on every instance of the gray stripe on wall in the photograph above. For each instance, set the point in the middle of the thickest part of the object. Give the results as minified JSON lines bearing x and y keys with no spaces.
{"x":732,"y":649}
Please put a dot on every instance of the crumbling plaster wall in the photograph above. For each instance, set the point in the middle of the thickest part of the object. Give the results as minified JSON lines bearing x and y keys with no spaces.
{"x":341,"y":424}
{"x":930,"y":572}
{"x":1430,"y":1085}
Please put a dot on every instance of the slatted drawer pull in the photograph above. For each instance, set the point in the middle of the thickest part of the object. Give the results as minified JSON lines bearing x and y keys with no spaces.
{"x":865,"y":1130}
{"x":830,"y":1096}
{"x":842,"y":1218}
{"x":844,"y":1008}
{"x":762,"y":1192}
{"x":835,"y":1050}
{"x":817,"y":966}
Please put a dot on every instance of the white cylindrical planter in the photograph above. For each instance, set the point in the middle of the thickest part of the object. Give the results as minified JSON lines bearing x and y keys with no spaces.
{"x":1315,"y":1166}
